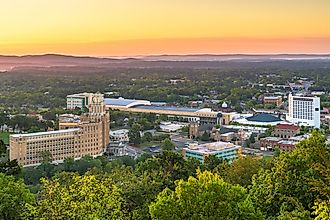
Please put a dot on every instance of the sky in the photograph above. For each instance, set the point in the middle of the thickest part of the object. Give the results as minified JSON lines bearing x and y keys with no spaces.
{"x":145,"y":27}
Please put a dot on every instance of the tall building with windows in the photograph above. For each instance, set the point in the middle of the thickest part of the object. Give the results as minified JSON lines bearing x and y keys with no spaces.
{"x":88,"y":136}
{"x":304,"y":110}
{"x":81,"y":100}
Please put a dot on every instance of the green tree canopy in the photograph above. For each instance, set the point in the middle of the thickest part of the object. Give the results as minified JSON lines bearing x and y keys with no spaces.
{"x":288,"y":187}
{"x":14,"y":196}
{"x":241,"y":170}
{"x":204,"y":197}
{"x":167,"y":144}
{"x":134,"y":134}
{"x":77,"y":197}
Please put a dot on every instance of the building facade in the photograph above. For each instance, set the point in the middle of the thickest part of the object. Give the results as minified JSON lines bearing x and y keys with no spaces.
{"x":304,"y":110}
{"x":119,"y":135}
{"x":273,"y":100}
{"x":89,"y":136}
{"x":222,"y":150}
{"x":286,"y":130}
{"x":81,"y":100}
{"x":203,"y":116}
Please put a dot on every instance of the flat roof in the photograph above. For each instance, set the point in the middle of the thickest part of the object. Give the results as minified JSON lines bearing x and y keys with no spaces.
{"x":272,"y":97}
{"x":80,"y":95}
{"x":45,"y":133}
{"x":272,"y":139}
{"x":212,"y":148}
{"x":169,"y":108}
{"x":119,"y":132}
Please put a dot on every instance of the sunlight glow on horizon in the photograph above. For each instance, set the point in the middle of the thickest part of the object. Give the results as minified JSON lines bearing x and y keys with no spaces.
{"x":130,"y":27}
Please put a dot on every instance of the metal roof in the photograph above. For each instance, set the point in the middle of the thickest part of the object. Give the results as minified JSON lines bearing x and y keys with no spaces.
{"x":168,"y":108}
{"x":125,"y":102}
{"x":263,"y":117}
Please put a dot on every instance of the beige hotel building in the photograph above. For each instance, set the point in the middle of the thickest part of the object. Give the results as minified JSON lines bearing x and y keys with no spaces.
{"x":87,"y":136}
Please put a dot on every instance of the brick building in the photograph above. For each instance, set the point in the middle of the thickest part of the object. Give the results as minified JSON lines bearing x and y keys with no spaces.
{"x":286,"y":130}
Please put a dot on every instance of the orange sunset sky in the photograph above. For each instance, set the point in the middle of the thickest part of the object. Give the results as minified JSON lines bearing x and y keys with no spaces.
{"x":142,"y":27}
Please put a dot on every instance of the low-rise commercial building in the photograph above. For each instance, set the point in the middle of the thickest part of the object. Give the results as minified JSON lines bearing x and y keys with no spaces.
{"x":119,"y":135}
{"x":271,"y":143}
{"x":273,"y":100}
{"x":171,"y":127}
{"x":203,"y":116}
{"x":222,"y":150}
{"x":286,"y":130}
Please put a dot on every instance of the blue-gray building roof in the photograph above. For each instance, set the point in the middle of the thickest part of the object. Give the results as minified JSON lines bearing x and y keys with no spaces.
{"x":263,"y":117}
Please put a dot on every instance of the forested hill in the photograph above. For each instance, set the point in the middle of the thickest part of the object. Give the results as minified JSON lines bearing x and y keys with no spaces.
{"x":193,"y":61}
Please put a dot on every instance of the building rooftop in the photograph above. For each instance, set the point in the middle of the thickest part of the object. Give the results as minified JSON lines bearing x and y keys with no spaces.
{"x":169,"y":108}
{"x":272,"y":139}
{"x":79,"y":95}
{"x":45,"y":133}
{"x":285,"y":142}
{"x":212,"y":148}
{"x":263,"y":117}
{"x":205,"y":127}
{"x":125,"y":102}
{"x":69,"y":118}
{"x":287,"y":126}
{"x":119,"y":132}
{"x":272,"y":97}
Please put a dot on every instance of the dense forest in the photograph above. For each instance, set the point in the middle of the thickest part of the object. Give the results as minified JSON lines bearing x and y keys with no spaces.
{"x":292,"y":185}
{"x":46,"y":87}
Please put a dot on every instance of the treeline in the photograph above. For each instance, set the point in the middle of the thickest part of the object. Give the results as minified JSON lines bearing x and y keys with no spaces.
{"x":293,"y":185}
{"x":48,"y":87}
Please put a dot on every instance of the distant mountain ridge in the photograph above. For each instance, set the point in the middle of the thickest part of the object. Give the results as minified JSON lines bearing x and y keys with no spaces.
{"x":51,"y":60}
{"x":48,"y":60}
{"x":226,"y":57}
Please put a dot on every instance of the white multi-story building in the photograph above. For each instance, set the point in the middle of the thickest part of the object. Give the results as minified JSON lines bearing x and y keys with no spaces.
{"x":304,"y":110}
{"x":80,"y":100}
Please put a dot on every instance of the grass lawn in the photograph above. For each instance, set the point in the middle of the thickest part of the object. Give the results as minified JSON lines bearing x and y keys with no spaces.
{"x":5,"y":137}
{"x":149,"y":144}
{"x":267,"y":157}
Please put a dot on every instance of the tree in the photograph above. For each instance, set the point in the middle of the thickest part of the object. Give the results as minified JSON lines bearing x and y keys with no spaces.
{"x":167,"y":144}
{"x":134,"y":134}
{"x":3,"y":148}
{"x":241,"y":170}
{"x":322,"y":210}
{"x":137,"y":191}
{"x":147,"y":137}
{"x":10,"y":167}
{"x":288,"y":187}
{"x":71,"y":196}
{"x":205,"y":136}
{"x":204,"y":197}
{"x":14,"y":197}
{"x":168,"y":167}
{"x":211,"y":162}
